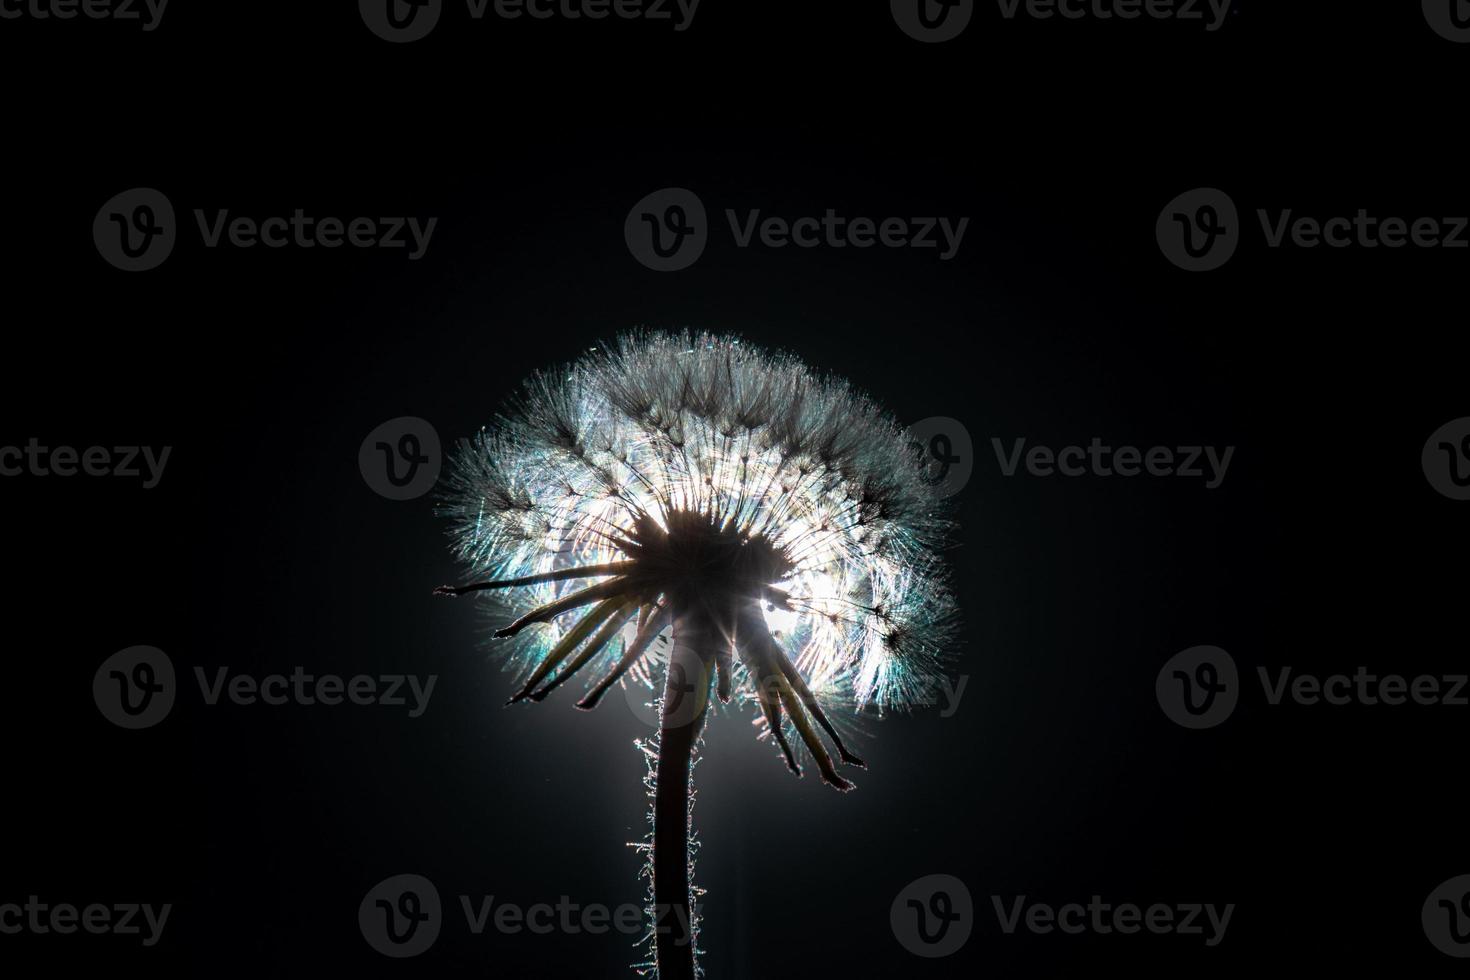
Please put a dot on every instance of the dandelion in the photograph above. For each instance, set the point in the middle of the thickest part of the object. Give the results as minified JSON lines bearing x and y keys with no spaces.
{"x":690,"y":503}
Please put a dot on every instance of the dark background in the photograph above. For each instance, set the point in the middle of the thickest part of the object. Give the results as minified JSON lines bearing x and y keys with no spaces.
{"x":1059,"y":320}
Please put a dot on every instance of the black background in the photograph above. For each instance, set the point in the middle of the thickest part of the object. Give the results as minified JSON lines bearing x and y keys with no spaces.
{"x":1057,"y":778}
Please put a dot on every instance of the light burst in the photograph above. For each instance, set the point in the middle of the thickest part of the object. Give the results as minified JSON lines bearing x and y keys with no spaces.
{"x":691,"y":502}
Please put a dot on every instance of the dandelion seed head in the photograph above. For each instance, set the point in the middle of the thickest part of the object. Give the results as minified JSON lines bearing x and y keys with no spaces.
{"x":687,"y":452}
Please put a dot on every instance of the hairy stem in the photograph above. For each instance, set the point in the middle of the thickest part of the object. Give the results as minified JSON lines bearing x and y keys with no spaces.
{"x":686,"y":697}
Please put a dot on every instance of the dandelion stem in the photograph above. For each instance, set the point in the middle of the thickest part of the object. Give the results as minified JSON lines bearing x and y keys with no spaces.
{"x":686,"y":698}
